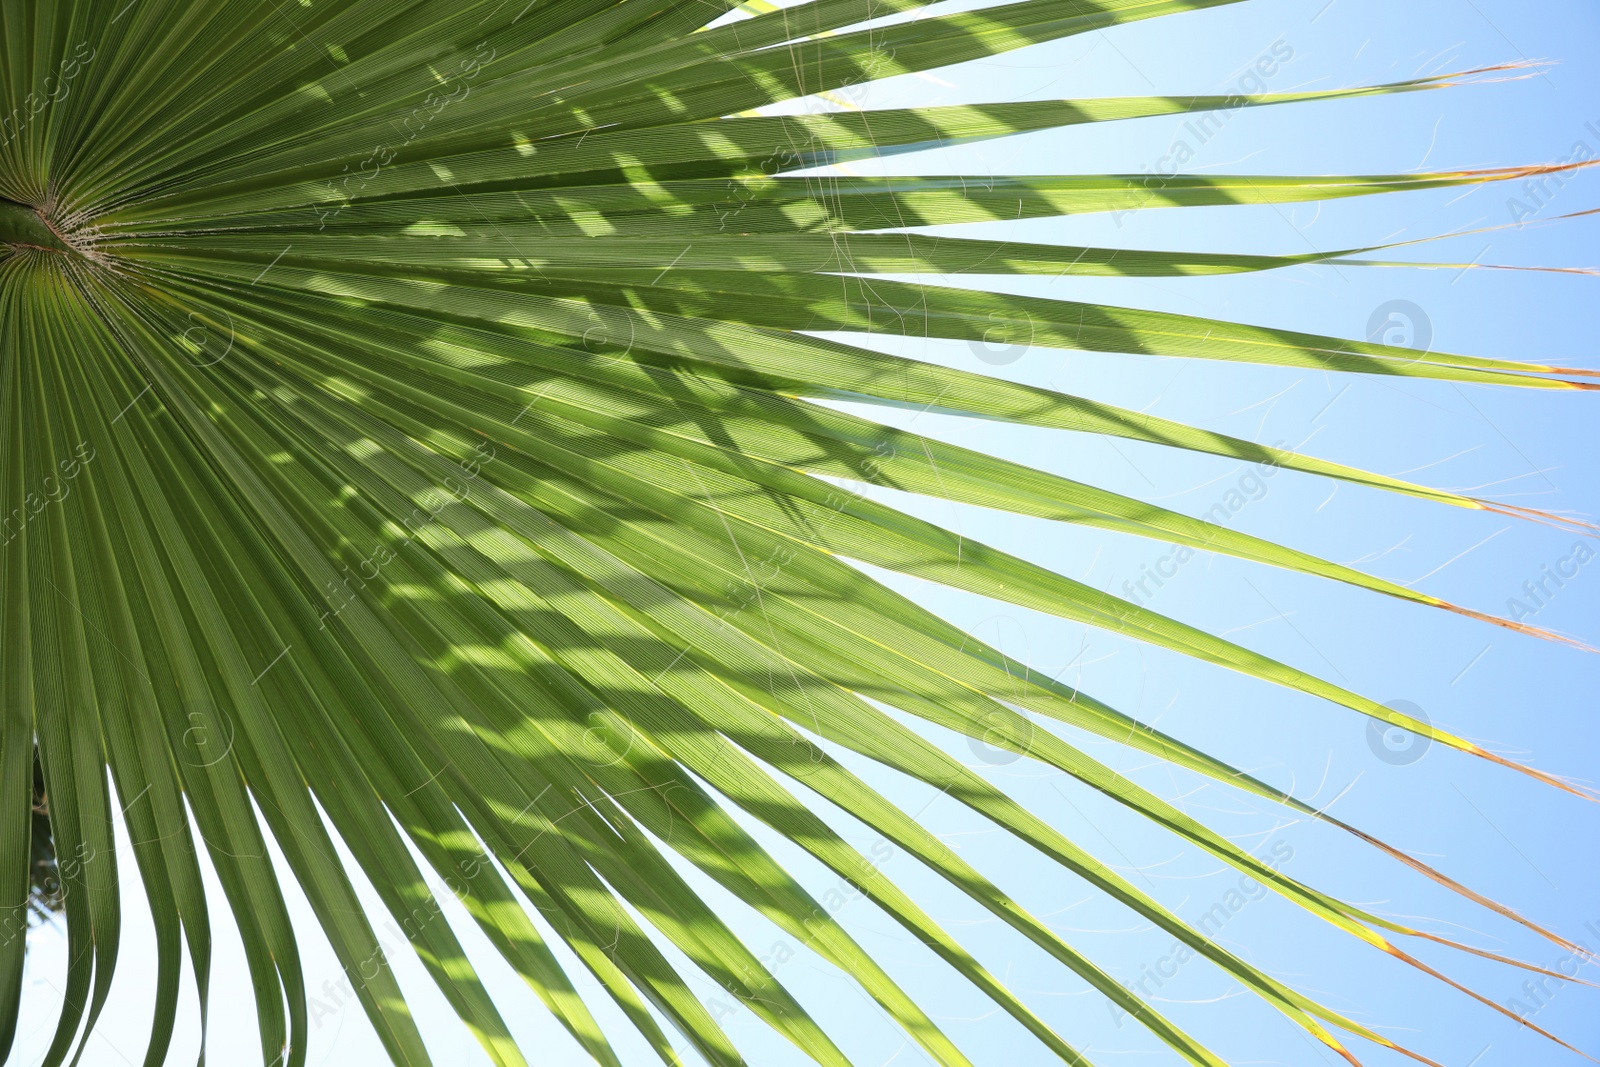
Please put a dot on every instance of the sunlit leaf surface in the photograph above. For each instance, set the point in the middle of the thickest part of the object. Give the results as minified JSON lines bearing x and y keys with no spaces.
{"x":415,"y":427}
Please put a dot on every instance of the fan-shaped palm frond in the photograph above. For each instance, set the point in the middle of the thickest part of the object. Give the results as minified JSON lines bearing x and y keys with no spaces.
{"x":416,"y":427}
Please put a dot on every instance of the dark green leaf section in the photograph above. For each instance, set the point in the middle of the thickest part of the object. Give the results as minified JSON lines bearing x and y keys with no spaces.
{"x":22,"y":226}
{"x":418,"y":432}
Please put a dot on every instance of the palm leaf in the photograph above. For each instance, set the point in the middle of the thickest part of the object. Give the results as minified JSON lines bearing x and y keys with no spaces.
{"x":417,"y":433}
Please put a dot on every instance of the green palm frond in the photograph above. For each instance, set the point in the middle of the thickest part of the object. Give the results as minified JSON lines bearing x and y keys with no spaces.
{"x":418,"y":430}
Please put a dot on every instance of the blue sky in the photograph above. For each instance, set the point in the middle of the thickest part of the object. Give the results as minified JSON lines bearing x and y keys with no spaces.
{"x":1521,"y":843}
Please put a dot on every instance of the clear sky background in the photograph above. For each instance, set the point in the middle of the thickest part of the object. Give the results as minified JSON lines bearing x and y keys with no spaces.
{"x":1525,"y":845}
